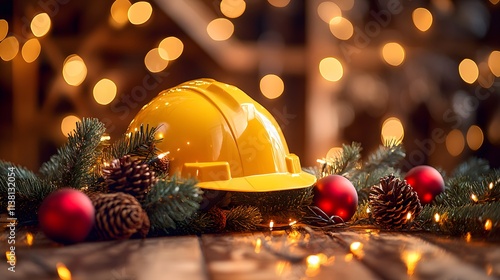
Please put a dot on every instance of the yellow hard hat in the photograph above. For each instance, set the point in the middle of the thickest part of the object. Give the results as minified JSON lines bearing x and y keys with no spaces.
{"x":216,"y":133}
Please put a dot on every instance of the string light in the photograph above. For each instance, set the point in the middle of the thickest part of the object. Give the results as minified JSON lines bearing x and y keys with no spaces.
{"x":279,"y":3}
{"x":494,"y":63}
{"x":40,"y":24}
{"x":154,"y":62}
{"x":74,"y":70}
{"x":31,"y":50}
{"x":233,"y":8}
{"x":29,"y":238}
{"x":422,"y":18}
{"x":468,"y":70}
{"x":437,"y":217}
{"x":468,"y":237}
{"x":392,"y":130}
{"x":455,"y":142}
{"x":341,"y":28}
{"x":119,"y":12}
{"x":170,"y":48}
{"x":9,"y":48}
{"x":140,"y":12}
{"x":393,"y":53}
{"x":258,"y":245}
{"x":475,"y":137}
{"x":271,"y":225}
{"x":474,"y":197}
{"x":63,"y":271}
{"x":220,"y":29}
{"x":4,"y":29}
{"x":490,"y":186}
{"x":68,"y":124}
{"x":104,"y":91}
{"x":328,"y":10}
{"x":488,"y":225}
{"x":331,"y":69}
{"x":408,"y":216}
{"x":271,"y":86}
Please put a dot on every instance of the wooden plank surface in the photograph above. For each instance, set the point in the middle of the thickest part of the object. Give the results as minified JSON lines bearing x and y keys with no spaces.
{"x":347,"y":253}
{"x":403,"y":256}
{"x":153,"y":258}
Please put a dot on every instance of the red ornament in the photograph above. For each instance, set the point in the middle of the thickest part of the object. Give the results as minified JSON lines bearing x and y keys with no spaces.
{"x":66,"y":216}
{"x":426,"y":181}
{"x":336,"y":196}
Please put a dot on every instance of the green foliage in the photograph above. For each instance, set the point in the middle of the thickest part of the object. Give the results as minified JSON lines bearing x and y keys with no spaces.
{"x":29,"y":191}
{"x":243,"y":218}
{"x":75,"y":163}
{"x":140,"y":143}
{"x":277,"y":205}
{"x":171,"y":201}
{"x":344,"y":163}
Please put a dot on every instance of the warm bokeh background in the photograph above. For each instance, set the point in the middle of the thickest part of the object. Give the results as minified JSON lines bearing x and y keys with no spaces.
{"x":330,"y":71}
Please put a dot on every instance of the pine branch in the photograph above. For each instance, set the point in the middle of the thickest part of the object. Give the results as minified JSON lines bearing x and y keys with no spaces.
{"x":243,"y":218}
{"x":171,"y":201}
{"x":476,"y":219}
{"x":344,"y":163}
{"x":75,"y":163}
{"x":30,"y":191}
{"x":386,"y":156}
{"x":140,"y":143}
{"x":473,"y":167}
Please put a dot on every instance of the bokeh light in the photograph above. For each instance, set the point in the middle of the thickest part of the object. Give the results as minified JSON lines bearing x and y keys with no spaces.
{"x":455,"y":142}
{"x":31,"y":50}
{"x":494,"y":63}
{"x":104,"y":91}
{"x":272,"y":86}
{"x":9,"y":48}
{"x":468,"y":70}
{"x":170,"y":48}
{"x":4,"y":29}
{"x":328,"y":10}
{"x":393,"y":53}
{"x":341,"y":28}
{"x":40,"y":24}
{"x":232,"y":8}
{"x":475,"y":137}
{"x":279,"y":3}
{"x":422,"y":18}
{"x":154,"y":62}
{"x":392,"y":130}
{"x":68,"y":124}
{"x":119,"y":12}
{"x":331,"y":69}
{"x":220,"y":29}
{"x":74,"y":70}
{"x":140,"y":12}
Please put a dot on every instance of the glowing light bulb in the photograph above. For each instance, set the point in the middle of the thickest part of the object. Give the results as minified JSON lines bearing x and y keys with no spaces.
{"x":140,"y":12}
{"x":220,"y":29}
{"x":341,"y":28}
{"x":154,"y":62}
{"x":31,"y":50}
{"x":331,"y":69}
{"x":455,"y":142}
{"x":393,"y":53}
{"x":74,"y":70}
{"x":170,"y":48}
{"x":104,"y":91}
{"x":468,"y":70}
{"x":392,"y":130}
{"x":272,"y":86}
{"x":422,"y":18}
{"x":4,"y":29}
{"x":232,"y":8}
{"x":119,"y":12}
{"x":40,"y":24}
{"x":9,"y":48}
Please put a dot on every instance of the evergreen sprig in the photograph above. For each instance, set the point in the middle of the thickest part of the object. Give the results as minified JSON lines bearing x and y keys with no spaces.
{"x":243,"y":218}
{"x":75,"y":163}
{"x":140,"y":143}
{"x":345,"y":162}
{"x":171,"y":201}
{"x":29,"y":191}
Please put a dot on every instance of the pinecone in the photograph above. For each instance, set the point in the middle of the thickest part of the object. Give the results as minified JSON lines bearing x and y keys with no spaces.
{"x":218,"y":217}
{"x":161,"y":165}
{"x":129,"y":176}
{"x":391,"y":201}
{"x":119,"y":216}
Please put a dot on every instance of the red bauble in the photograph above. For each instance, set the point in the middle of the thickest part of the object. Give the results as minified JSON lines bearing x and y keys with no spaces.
{"x":426,"y":181}
{"x":66,"y":216}
{"x":336,"y":196}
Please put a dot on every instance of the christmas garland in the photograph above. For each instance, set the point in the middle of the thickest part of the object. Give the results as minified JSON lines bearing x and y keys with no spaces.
{"x":133,"y":194}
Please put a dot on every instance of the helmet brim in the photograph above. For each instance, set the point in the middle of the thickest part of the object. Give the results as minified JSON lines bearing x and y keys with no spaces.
{"x":262,"y":182}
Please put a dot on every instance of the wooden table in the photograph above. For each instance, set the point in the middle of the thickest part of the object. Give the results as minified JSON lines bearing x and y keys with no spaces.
{"x":349,"y":253}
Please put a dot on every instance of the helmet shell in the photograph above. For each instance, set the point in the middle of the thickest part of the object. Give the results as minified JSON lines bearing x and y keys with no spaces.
{"x":226,"y":140}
